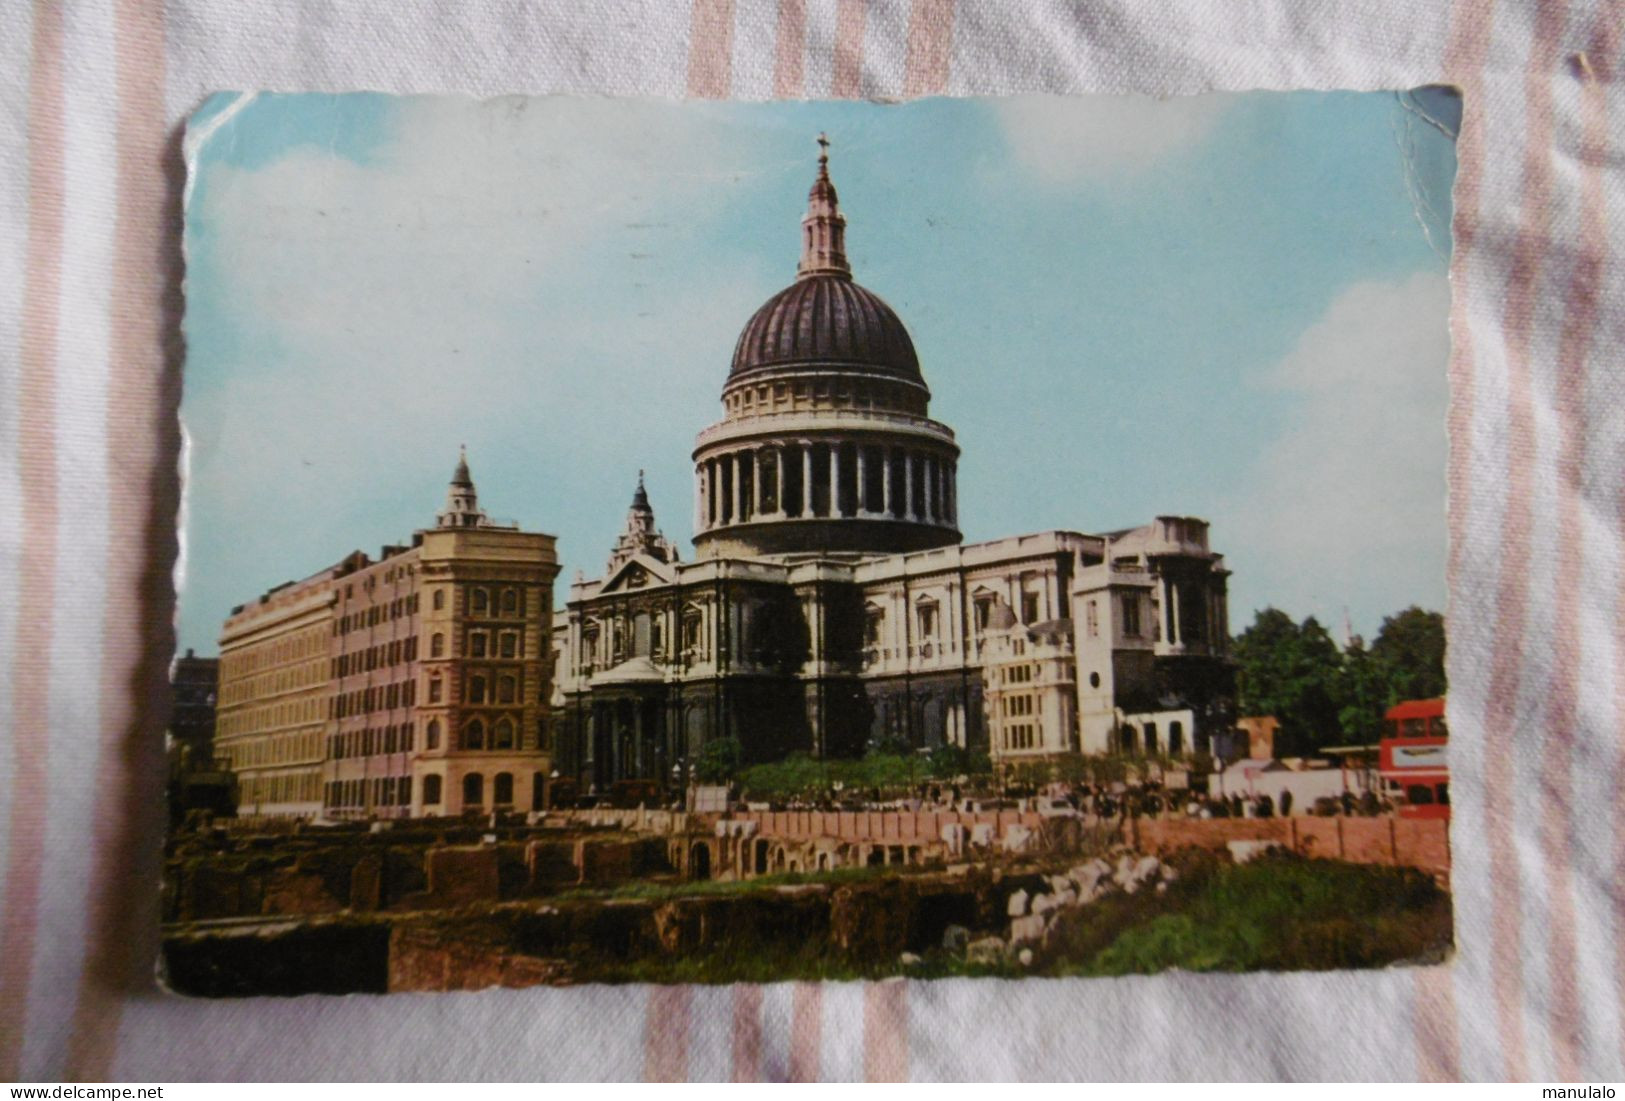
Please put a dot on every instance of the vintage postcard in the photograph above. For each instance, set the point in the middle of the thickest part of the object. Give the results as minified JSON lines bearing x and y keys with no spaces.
{"x":715,"y":542}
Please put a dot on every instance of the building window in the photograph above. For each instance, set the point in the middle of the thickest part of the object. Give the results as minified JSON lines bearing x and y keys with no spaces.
{"x":502,"y":790}
{"x":476,"y":644}
{"x":474,"y":735}
{"x":510,"y":604}
{"x":538,"y":790}
{"x":502,"y":734}
{"x":432,"y":735}
{"x":431,"y":791}
{"x":1029,"y":608}
{"x":476,"y":689}
{"x":473,"y":790}
{"x":434,"y":689}
{"x":928,"y":620}
{"x":505,"y":690}
{"x":1151,"y":739}
{"x":1131,"y":615}
{"x":1176,"y":737}
{"x":439,"y":603}
{"x":510,"y":644}
{"x":1092,"y":617}
{"x":481,"y":602}
{"x":437,"y":645}
{"x":403,"y":791}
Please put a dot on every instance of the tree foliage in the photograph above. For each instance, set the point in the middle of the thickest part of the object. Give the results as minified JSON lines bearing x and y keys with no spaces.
{"x":1322,"y":695}
{"x":1410,"y":646}
{"x":718,"y":761}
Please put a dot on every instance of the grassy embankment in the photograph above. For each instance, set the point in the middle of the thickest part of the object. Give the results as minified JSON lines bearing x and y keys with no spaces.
{"x":1274,"y":914}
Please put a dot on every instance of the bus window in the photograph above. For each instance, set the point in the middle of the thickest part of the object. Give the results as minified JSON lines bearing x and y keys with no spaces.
{"x":1440,"y":729}
{"x":1419,"y":795}
{"x":1444,"y":795}
{"x":1414,"y":728}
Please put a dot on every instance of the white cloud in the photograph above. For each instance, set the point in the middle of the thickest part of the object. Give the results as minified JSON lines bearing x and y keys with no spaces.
{"x":1062,"y":139}
{"x":1350,"y":489}
{"x":452,"y":288}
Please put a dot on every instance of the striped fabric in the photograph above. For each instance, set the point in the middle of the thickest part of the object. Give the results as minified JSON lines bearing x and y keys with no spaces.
{"x":94,"y":91}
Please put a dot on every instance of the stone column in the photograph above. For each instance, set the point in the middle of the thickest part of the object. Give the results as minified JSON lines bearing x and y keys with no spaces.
{"x":758,"y":498}
{"x":778,"y":484}
{"x":806,"y":479}
{"x":908,"y":486}
{"x":1162,"y":613}
{"x":699,"y":497}
{"x":885,"y":481}
{"x":835,"y":479}
{"x":715,"y":503}
{"x":734,"y":462}
{"x":1173,"y":615}
{"x":862,"y":503}
{"x":927,"y":511}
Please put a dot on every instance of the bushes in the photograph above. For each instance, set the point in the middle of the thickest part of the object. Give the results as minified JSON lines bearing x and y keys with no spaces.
{"x":1288,"y":914}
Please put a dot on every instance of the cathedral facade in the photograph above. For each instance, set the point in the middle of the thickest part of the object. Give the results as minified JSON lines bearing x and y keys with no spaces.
{"x":831,"y":603}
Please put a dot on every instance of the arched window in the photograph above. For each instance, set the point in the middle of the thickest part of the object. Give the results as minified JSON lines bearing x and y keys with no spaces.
{"x":476,"y":689}
{"x":431,"y":791}
{"x":474,"y":735}
{"x":502,"y":734}
{"x":432,"y":735}
{"x":1150,"y":739}
{"x":1128,"y":745}
{"x":439,"y":600}
{"x":505,"y":689}
{"x":510,"y":602}
{"x":476,"y":644}
{"x":437,"y":643}
{"x":1176,"y":737}
{"x":473,"y":790}
{"x":502,"y":790}
{"x":510,"y":644}
{"x":481,"y":602}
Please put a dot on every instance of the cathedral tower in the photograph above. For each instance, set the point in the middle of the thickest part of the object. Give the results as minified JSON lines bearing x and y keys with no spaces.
{"x":824,"y":443}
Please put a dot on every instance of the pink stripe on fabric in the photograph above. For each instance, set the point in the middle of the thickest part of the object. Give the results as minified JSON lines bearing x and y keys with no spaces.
{"x":806,"y":1032}
{"x":790,"y":51}
{"x":129,"y":820}
{"x":885,"y":1032}
{"x":847,"y":79}
{"x":930,"y":44}
{"x":1583,"y":302}
{"x":36,"y":565}
{"x":747,"y":1033}
{"x":1512,"y":597}
{"x":1437,"y":1023}
{"x":1433,"y":1020}
{"x":710,"y":49}
{"x":666,"y":1030}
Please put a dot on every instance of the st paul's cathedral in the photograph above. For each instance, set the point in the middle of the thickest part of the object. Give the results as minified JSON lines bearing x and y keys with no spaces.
{"x":831,"y":604}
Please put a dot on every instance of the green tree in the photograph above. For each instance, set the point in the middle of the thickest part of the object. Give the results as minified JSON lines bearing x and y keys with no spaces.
{"x":1290,"y":670}
{"x":718,"y":761}
{"x":1410,"y":647}
{"x":1363,"y":694}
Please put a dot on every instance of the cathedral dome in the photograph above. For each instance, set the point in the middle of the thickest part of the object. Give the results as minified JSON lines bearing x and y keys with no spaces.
{"x":826,"y":444}
{"x":826,"y":319}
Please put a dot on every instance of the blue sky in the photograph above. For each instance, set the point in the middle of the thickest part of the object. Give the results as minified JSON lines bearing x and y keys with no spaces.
{"x":1232,"y":307}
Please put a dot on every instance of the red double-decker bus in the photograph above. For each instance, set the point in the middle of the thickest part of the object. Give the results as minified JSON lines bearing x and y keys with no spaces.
{"x":1413,"y":760}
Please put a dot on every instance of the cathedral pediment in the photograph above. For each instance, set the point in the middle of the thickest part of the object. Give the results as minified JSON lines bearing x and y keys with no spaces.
{"x":640,"y":572}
